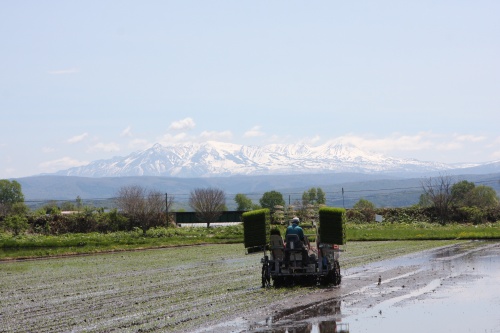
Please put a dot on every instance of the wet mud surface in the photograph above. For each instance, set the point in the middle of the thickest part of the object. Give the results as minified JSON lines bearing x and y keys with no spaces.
{"x":216,"y":288}
{"x":451,"y":289}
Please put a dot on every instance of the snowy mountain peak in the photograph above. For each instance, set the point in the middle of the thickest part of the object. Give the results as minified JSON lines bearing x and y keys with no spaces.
{"x":224,"y":159}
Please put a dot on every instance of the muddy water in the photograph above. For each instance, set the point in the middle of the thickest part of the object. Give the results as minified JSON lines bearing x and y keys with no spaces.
{"x":456,"y":289}
{"x":466,"y":299}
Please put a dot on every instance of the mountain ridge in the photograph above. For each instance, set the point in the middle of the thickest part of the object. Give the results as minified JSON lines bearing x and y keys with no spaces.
{"x":214,"y":159}
{"x":253,"y":170}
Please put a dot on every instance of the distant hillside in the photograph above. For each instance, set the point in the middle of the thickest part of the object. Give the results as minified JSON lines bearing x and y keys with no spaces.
{"x":68,"y":187}
{"x":384,"y":191}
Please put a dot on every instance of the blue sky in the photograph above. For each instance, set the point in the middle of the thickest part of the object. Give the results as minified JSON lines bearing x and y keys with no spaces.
{"x":88,"y":80}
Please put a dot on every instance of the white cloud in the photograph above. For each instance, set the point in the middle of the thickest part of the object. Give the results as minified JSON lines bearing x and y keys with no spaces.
{"x":315,"y":139}
{"x":106,"y":147}
{"x":310,"y":141}
{"x":458,"y":141}
{"x":139,"y":144}
{"x":48,"y":150}
{"x":62,"y":163}
{"x":77,"y":138}
{"x":10,"y":171}
{"x":494,"y":143}
{"x":127,"y":132}
{"x":253,"y":132}
{"x":169,"y":139}
{"x":469,"y":138}
{"x":449,"y":146}
{"x":274,"y":138}
{"x":427,"y":146}
{"x":215,"y":136}
{"x":182,"y":125}
{"x":496,"y":155}
{"x":423,"y":141}
{"x":393,"y":142}
{"x":64,"y":71}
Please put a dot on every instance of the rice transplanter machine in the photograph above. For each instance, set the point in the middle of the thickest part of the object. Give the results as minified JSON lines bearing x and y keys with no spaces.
{"x":287,"y":261}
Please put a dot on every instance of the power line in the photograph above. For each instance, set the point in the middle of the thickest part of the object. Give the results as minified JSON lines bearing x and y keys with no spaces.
{"x":331,"y":196}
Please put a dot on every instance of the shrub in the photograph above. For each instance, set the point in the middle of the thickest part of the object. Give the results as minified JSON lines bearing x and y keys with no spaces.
{"x":113,"y":221}
{"x":473,"y":214}
{"x":16,"y":224}
{"x":406,"y":215}
{"x":355,"y":216}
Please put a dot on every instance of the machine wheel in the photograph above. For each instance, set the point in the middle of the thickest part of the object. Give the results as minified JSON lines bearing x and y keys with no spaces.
{"x":266,"y":277}
{"x":333,"y":277}
{"x":336,"y":278}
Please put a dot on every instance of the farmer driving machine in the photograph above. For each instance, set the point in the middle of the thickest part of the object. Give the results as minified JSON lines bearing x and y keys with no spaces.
{"x":290,"y":260}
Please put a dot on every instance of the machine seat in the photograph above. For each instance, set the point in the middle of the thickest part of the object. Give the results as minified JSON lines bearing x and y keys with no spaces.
{"x":293,"y":242}
{"x":277,"y":247}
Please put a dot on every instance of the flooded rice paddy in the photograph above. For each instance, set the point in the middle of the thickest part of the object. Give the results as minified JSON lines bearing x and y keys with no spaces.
{"x":216,"y":288}
{"x":455,"y":289}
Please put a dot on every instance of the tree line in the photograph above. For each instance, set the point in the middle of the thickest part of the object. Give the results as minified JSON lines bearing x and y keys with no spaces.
{"x":442,"y":200}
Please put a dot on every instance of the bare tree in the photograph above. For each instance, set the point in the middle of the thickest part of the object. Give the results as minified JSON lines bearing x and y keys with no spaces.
{"x":131,"y":199}
{"x":438,"y":191}
{"x":146,"y":208}
{"x":208,"y":203}
{"x":155,"y":208}
{"x":168,"y":205}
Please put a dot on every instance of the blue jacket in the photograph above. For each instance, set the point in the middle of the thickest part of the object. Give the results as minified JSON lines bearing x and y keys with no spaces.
{"x":294,"y":229}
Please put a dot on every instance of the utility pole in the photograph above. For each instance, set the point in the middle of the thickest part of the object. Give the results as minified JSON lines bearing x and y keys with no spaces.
{"x":166,"y":205}
{"x":343,"y":203}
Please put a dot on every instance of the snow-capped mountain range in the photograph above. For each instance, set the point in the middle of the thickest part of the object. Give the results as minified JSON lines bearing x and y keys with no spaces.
{"x":212,"y":159}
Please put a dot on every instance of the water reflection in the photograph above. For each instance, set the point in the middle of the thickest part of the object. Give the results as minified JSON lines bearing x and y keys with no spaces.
{"x":321,"y":318}
{"x":467,"y":288}
{"x":326,"y":326}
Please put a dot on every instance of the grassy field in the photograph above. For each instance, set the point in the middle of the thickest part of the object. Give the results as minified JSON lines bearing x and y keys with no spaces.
{"x":35,"y":245}
{"x":422,"y":231}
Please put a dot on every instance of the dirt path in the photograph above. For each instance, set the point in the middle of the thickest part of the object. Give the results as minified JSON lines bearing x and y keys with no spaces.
{"x":172,"y":290}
